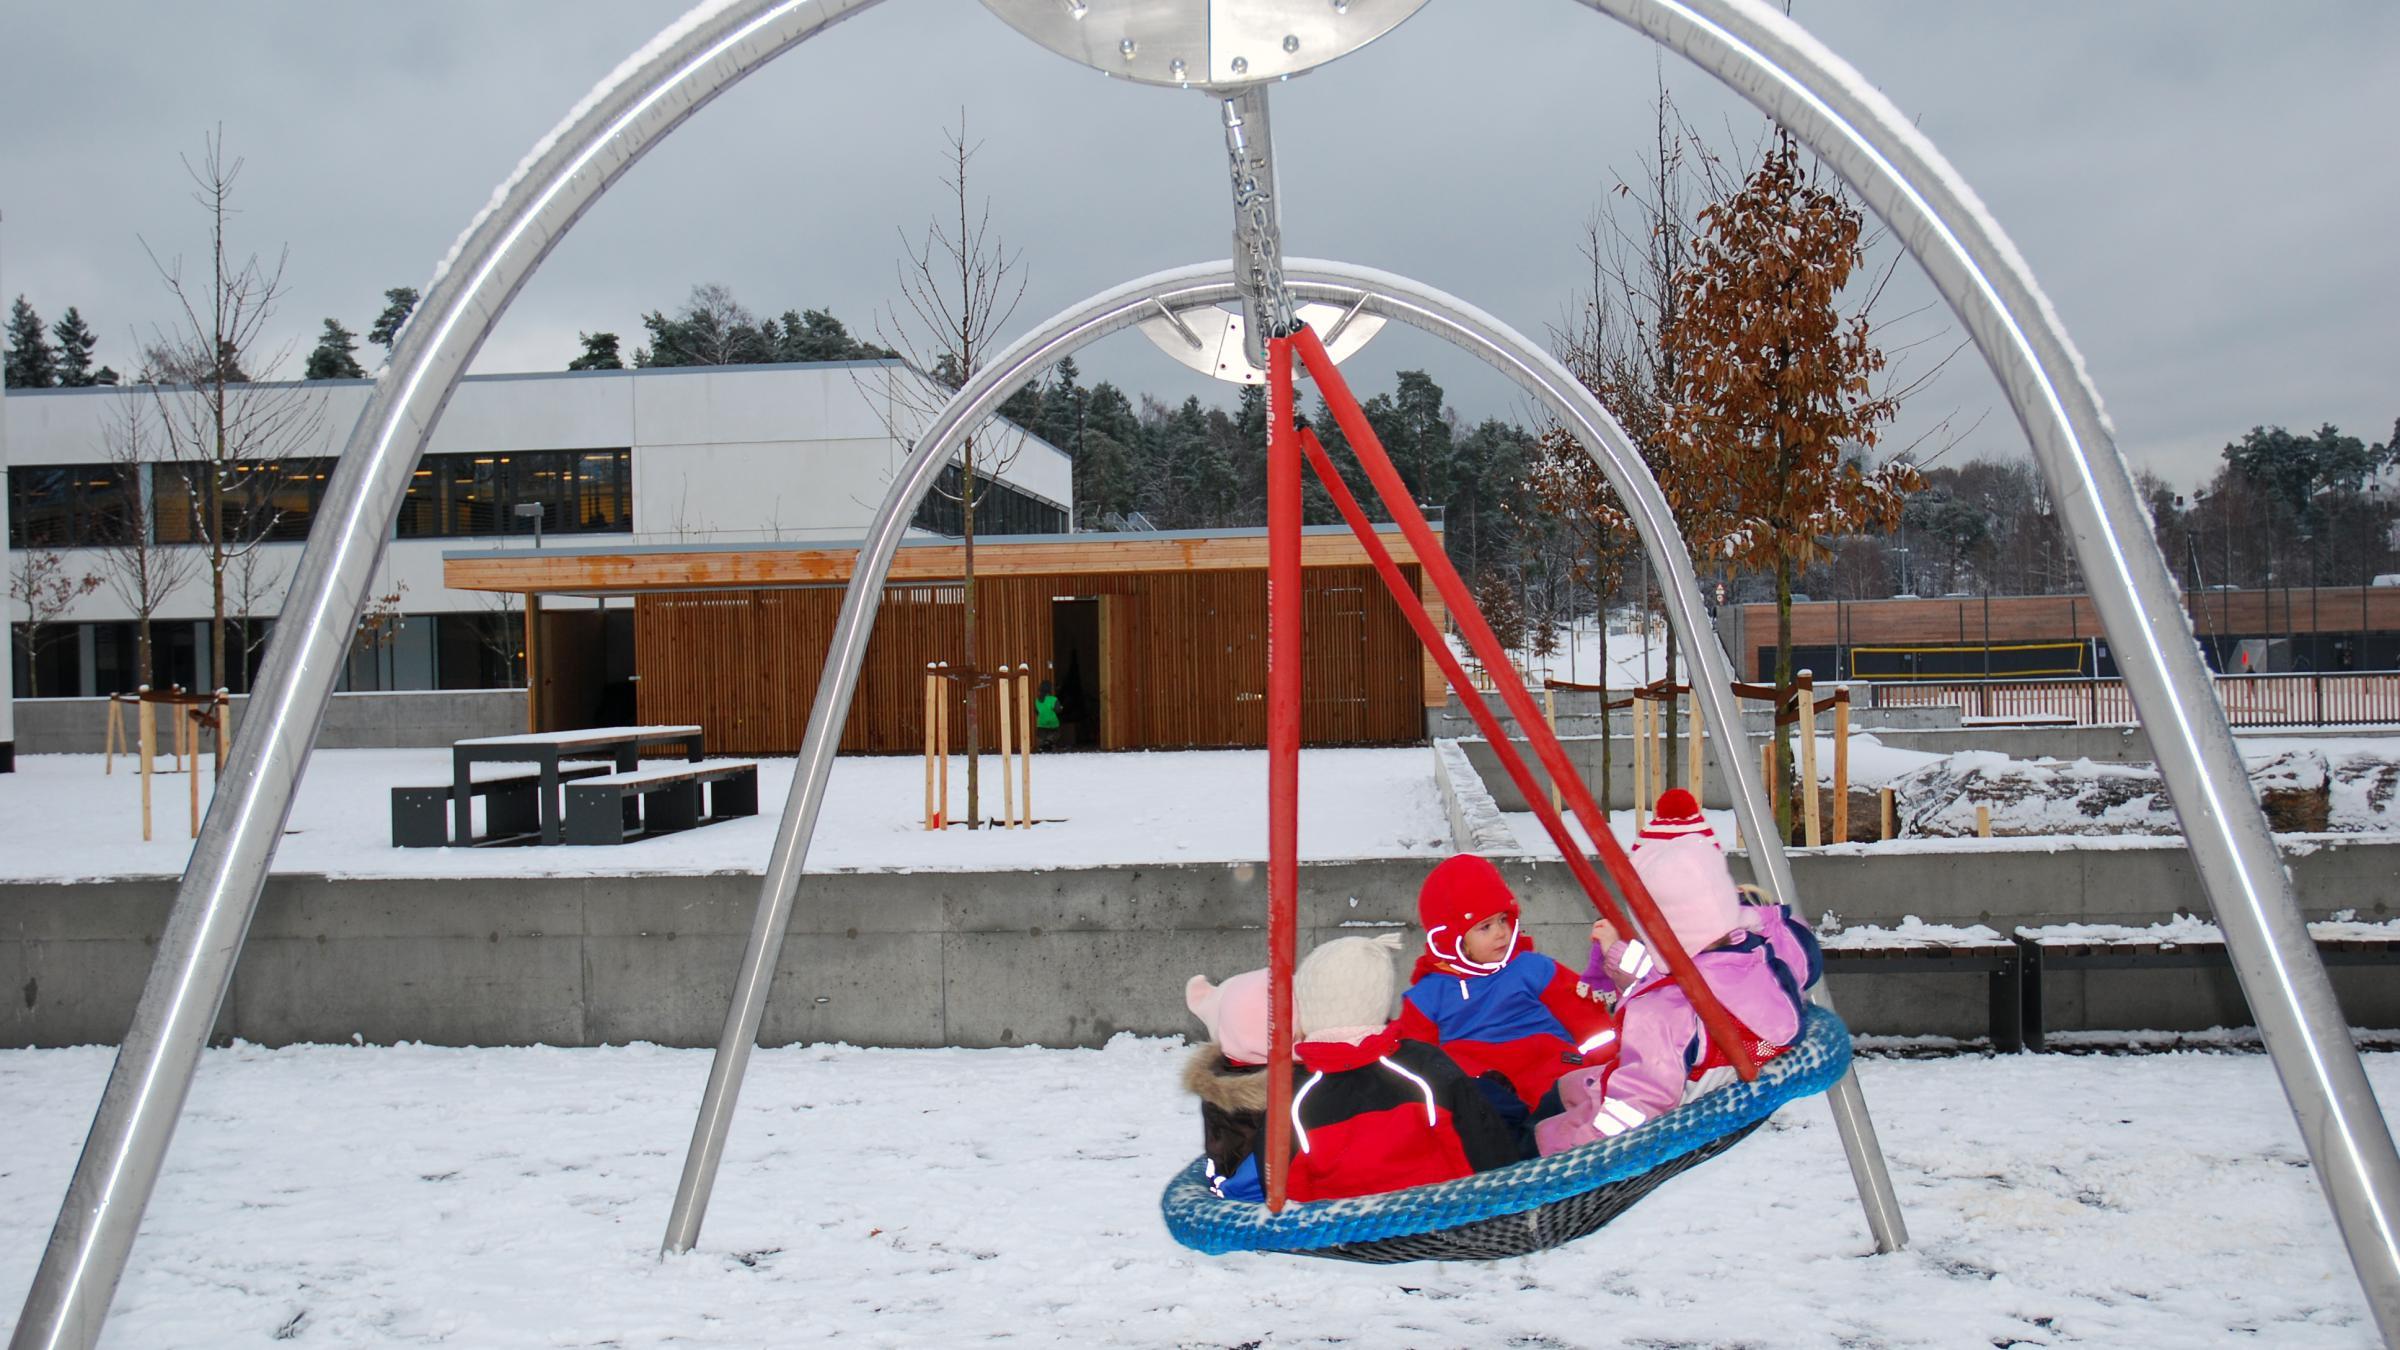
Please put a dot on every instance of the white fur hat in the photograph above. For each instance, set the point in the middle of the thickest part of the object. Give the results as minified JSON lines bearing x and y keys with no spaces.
{"x":1348,"y":982}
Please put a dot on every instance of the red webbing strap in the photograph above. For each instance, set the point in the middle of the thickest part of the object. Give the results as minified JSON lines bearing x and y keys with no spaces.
{"x":1413,"y":609}
{"x":1283,"y":755}
{"x":1486,"y":646}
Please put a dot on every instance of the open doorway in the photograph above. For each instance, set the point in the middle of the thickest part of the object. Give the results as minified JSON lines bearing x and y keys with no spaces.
{"x":1078,"y":672}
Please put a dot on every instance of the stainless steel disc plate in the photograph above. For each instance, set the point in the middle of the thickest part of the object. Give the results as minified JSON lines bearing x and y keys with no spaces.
{"x":1204,"y":43}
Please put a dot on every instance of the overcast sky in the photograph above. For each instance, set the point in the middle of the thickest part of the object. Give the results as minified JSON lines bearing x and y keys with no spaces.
{"x":2210,"y":192}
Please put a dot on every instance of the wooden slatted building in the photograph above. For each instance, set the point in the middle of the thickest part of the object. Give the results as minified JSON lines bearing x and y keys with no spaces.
{"x":1154,"y":641}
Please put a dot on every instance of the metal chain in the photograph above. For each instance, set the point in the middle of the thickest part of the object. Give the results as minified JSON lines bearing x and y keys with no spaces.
{"x":1258,"y":273}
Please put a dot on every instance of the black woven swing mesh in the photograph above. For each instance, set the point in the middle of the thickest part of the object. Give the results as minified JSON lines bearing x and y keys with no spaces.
{"x":1532,"y":1230}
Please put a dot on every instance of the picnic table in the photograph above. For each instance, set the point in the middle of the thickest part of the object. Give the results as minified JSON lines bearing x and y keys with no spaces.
{"x":624,"y":745}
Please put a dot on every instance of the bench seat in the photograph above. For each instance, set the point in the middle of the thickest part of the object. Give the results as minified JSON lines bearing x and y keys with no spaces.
{"x":616,"y":807}
{"x":512,"y":803}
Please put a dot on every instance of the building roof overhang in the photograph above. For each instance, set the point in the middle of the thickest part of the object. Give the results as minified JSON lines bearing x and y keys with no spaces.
{"x":586,"y":568}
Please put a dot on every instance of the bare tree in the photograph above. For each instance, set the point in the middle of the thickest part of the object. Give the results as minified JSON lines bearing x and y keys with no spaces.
{"x":41,"y":583}
{"x":959,"y":284}
{"x":258,"y":582}
{"x":141,"y":571}
{"x":502,"y":633}
{"x":224,"y":430}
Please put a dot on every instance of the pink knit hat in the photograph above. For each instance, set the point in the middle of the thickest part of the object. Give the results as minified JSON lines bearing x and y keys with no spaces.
{"x":1235,"y":1014}
{"x":1682,"y":866}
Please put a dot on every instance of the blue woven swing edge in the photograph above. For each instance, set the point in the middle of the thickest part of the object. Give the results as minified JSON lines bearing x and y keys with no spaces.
{"x":1201,"y":1220}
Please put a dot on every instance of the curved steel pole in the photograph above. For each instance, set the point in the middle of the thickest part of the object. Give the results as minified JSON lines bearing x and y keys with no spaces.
{"x":121,"y":1157}
{"x":1790,"y":76}
{"x":1390,"y":296}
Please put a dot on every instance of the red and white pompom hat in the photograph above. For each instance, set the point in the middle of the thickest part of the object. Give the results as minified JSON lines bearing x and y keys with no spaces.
{"x":1677,"y":815}
{"x":1682,"y":865}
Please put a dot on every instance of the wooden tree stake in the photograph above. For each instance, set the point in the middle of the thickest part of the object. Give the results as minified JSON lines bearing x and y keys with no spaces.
{"x":932,"y":699}
{"x":1811,"y":815}
{"x":1983,"y":822}
{"x":1025,"y":761}
{"x":1008,"y":778}
{"x":942,"y":749}
{"x":149,"y":725}
{"x":1890,"y":810}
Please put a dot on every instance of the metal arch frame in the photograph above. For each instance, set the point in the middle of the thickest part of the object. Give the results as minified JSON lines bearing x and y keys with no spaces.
{"x":1380,"y":293}
{"x":1764,"y":57}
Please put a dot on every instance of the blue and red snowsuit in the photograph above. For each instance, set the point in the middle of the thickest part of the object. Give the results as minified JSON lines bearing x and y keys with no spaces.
{"x":1531,"y":1020}
{"x":1386,"y":1114}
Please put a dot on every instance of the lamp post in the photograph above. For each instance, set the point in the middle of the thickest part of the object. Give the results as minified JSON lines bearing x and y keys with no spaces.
{"x":532,"y":511}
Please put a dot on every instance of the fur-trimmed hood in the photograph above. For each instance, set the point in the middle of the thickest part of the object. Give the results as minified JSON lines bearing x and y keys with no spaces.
{"x":1228,"y":1087}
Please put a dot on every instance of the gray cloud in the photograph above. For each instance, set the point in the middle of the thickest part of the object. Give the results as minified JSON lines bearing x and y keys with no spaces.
{"x":2205,"y":190}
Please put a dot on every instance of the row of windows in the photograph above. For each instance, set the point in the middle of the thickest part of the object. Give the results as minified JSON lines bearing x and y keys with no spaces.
{"x":451,"y":496}
{"x":436,"y":651}
{"x":1000,"y":508}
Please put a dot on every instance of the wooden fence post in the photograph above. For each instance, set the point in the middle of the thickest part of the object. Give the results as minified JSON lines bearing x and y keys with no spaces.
{"x":1641,"y":751}
{"x":1696,"y":770}
{"x":1841,"y":767}
{"x":1550,"y":715}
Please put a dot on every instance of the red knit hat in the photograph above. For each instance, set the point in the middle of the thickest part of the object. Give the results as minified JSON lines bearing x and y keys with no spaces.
{"x":1459,"y":894}
{"x":1677,"y":815}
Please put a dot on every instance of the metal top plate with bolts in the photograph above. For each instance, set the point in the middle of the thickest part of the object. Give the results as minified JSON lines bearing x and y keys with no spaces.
{"x":1203,"y":43}
{"x":1209,"y":339}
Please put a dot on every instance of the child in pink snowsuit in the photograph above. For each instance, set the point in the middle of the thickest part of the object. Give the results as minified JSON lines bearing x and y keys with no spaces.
{"x":1757,"y":961}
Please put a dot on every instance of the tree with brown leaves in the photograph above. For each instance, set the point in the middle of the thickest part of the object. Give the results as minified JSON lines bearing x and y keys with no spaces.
{"x":1775,"y":386}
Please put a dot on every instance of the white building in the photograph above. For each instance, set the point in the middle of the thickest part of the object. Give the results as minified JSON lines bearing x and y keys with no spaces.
{"x":718,"y":454}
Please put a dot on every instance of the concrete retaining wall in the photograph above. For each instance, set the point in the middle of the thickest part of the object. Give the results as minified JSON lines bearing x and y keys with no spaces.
{"x":412,"y":718}
{"x":975,"y":959}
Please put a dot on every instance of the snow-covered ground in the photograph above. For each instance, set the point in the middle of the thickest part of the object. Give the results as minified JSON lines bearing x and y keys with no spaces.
{"x":1631,"y":658}
{"x":61,"y":818}
{"x":404,"y":1196}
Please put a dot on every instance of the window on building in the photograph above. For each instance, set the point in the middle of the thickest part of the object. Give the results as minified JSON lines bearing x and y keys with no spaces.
{"x":274,"y":499}
{"x":480,"y":651}
{"x":579,"y":491}
{"x":1000,"y":508}
{"x":67,"y":505}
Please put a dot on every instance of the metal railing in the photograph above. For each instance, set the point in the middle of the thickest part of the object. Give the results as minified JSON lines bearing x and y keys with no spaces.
{"x":2296,"y":700}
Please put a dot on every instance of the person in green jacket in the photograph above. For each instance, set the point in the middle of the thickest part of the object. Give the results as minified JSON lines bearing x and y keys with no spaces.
{"x":1045,"y":718}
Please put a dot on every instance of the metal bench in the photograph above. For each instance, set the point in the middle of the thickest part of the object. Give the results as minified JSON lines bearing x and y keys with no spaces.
{"x":512,"y":806}
{"x":2044,"y":951}
{"x":617,"y":807}
{"x":1998,"y":958}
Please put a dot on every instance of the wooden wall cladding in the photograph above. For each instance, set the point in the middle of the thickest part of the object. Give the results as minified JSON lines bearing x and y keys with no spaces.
{"x":1185,"y":665}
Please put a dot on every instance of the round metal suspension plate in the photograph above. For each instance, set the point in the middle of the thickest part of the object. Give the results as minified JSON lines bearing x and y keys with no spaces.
{"x":1203,"y":43}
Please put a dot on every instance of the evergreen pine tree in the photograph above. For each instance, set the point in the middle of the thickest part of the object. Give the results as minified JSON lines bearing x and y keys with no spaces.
{"x":32,"y":363}
{"x":398,"y":302}
{"x":599,"y":353}
{"x":333,"y":358}
{"x":1063,"y":405}
{"x":75,"y":343}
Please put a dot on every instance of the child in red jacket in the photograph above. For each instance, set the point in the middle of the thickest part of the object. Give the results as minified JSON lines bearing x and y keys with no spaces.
{"x":1501,"y":1009}
{"x":1372,"y":1112}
